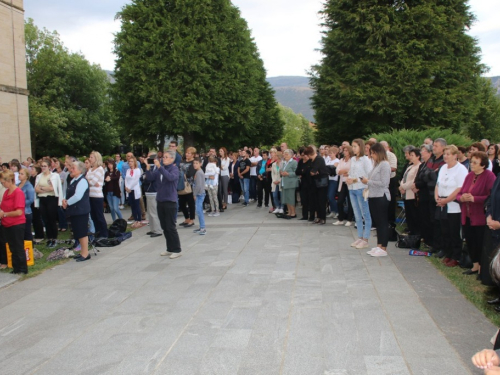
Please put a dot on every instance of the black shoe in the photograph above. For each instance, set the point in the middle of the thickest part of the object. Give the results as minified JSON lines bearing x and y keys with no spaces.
{"x":469,"y":272}
{"x":259,"y":206}
{"x":77,"y":256}
{"x":221,"y":210}
{"x":82,"y":259}
{"x":52,"y":244}
{"x":153,"y":235}
{"x":495,"y":301}
{"x":303,"y":218}
{"x":440,"y":254}
{"x":183,"y":224}
{"x":149,"y":233}
{"x":267,"y":206}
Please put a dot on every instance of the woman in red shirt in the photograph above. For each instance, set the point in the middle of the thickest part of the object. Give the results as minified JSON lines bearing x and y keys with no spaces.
{"x":13,"y":221}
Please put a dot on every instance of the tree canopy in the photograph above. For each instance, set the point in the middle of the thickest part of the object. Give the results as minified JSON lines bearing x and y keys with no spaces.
{"x":297,"y":131}
{"x":396,"y":65}
{"x":69,"y":103}
{"x":190,"y":68}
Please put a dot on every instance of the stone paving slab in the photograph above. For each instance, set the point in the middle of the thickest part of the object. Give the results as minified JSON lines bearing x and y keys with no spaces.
{"x":256,"y":295}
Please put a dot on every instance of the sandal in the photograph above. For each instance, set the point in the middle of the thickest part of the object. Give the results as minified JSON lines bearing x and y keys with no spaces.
{"x":316,"y":221}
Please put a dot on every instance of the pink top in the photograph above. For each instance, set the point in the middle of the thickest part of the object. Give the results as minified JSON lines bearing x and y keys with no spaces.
{"x":480,"y":190}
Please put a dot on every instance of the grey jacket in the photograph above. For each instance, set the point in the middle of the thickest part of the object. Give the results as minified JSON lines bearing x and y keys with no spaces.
{"x":378,"y":181}
{"x":199,"y":183}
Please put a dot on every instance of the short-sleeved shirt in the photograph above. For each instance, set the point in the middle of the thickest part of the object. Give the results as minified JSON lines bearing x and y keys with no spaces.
{"x":450,"y":179}
{"x":254,"y":159}
{"x":13,"y":202}
{"x":244,"y":163}
{"x":44,"y":182}
{"x":393,"y":162}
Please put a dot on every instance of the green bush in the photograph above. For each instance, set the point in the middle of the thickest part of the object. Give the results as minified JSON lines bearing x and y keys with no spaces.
{"x":398,"y":139}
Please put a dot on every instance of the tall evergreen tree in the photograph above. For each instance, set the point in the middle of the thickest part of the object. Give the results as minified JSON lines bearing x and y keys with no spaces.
{"x":190,"y":68}
{"x":395,"y":64}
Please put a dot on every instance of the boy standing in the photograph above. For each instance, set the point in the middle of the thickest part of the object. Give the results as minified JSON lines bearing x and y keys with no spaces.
{"x":199,"y":195}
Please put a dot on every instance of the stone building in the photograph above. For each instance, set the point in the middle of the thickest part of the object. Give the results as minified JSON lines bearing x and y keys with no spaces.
{"x":15,"y":140}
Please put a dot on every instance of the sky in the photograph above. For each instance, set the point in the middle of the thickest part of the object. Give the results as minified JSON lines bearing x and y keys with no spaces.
{"x":287,"y":32}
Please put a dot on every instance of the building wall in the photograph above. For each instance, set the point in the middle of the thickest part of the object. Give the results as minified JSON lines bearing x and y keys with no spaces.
{"x":15,"y":140}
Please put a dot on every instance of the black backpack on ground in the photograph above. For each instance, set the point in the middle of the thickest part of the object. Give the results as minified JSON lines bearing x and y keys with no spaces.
{"x":119,"y":226}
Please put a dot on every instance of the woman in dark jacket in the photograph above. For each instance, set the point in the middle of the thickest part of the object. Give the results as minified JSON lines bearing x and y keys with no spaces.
{"x":112,"y":189}
{"x":234,"y":181}
{"x":186,"y":201}
{"x":304,"y":173}
{"x":36,"y":216}
{"x":319,"y":186}
{"x":422,"y":196}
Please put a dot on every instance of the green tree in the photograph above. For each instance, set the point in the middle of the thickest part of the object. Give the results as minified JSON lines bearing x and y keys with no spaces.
{"x":190,"y":68}
{"x":297,"y":131}
{"x":69,"y":102}
{"x":397,"y":64}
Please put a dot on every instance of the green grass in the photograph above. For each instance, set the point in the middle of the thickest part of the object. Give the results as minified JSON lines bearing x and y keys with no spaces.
{"x":471,"y":288}
{"x":43,"y":264}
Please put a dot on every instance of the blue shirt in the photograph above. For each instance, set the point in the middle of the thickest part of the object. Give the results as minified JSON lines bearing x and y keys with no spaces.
{"x":80,"y":190}
{"x":29,"y":194}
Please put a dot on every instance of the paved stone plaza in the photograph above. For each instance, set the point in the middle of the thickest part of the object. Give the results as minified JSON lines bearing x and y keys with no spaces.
{"x":256,"y":295}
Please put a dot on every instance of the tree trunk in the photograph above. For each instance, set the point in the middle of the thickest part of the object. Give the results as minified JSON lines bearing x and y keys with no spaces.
{"x":188,"y":140}
{"x":160,"y":142}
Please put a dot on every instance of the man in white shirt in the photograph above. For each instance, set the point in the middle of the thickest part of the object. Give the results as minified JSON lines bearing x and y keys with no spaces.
{"x":393,"y":185}
{"x":253,"y":173}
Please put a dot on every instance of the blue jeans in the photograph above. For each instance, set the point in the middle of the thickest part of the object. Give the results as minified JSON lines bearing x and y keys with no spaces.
{"x":361,"y":212}
{"x":332,"y":191}
{"x":114,"y":203}
{"x":276,"y":198}
{"x":245,"y":187}
{"x":122,"y":191}
{"x":199,"y":210}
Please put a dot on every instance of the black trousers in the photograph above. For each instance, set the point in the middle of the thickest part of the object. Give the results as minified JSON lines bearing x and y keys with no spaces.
{"x":28,"y":235}
{"x":50,"y":215}
{"x":474,"y":238}
{"x":450,"y":229}
{"x":412,"y":218}
{"x":3,"y":249}
{"x":319,"y":196}
{"x":424,"y":214}
{"x":37,"y":222}
{"x":97,"y":215}
{"x":14,"y":236}
{"x":342,"y":198}
{"x":378,"y":210}
{"x":391,"y":209}
{"x":263,"y":192}
{"x":186,"y":202}
{"x":167,"y":212}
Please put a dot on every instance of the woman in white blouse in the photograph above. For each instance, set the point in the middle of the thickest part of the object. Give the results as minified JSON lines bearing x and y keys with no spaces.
{"x":361,"y":167}
{"x":133,"y":189}
{"x":224,"y":175}
{"x":407,"y":193}
{"x":95,"y":178}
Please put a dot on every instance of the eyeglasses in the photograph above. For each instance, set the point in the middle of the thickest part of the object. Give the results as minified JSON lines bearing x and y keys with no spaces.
{"x":45,"y":166}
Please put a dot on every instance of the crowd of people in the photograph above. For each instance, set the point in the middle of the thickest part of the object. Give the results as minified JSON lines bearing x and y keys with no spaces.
{"x":448,"y":192}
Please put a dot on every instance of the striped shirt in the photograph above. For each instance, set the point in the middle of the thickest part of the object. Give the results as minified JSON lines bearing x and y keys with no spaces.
{"x":96,"y":182}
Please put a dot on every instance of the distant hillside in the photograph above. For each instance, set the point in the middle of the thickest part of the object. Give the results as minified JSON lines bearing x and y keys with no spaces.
{"x":294,"y":92}
{"x":495,"y":82}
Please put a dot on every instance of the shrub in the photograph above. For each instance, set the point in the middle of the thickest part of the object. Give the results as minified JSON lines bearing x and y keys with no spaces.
{"x":398,"y":139}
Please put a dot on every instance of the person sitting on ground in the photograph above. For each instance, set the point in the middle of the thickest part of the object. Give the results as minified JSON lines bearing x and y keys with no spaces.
{"x":77,"y":206}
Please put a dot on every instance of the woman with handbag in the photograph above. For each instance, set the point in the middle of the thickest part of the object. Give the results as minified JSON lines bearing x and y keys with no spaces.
{"x":289,"y":183}
{"x":379,"y":197}
{"x":186,"y":198}
{"x":409,"y":197}
{"x":475,"y":190}
{"x":449,"y":183}
{"x":319,"y":187}
{"x":361,"y":167}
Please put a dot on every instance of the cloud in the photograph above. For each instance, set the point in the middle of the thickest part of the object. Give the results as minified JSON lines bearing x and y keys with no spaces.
{"x":287,"y":32}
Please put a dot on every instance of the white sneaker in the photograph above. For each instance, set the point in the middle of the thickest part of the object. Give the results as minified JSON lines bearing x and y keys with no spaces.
{"x":339,"y":222}
{"x":121,"y":207}
{"x":276,"y":211}
{"x":362,"y":245}
{"x":175,"y":255}
{"x":379,"y":253}
{"x":372,"y":250}
{"x":281,"y":211}
{"x":211,"y":214}
{"x":216,"y":213}
{"x":355,"y":243}
{"x":165,"y":253}
{"x":332,"y":214}
{"x":348,"y":223}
